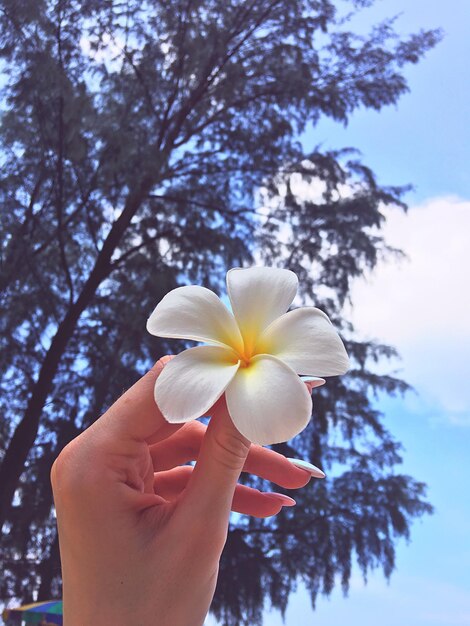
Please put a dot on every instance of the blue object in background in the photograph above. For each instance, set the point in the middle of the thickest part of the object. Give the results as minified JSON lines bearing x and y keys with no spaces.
{"x":35,"y":613}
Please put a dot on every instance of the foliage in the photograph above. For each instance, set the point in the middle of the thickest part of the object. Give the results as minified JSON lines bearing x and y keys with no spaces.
{"x":150,"y":144}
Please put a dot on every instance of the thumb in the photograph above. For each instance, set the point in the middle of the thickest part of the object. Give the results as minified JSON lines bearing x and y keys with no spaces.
{"x":211,"y":487}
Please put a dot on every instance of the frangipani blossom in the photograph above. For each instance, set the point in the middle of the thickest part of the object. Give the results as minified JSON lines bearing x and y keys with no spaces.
{"x":254,"y":356}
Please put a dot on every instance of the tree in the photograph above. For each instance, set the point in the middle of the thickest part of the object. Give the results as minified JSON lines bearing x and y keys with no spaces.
{"x":149,"y":144}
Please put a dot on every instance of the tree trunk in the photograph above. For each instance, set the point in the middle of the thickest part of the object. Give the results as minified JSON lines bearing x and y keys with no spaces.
{"x":25,"y":433}
{"x":48,"y":569}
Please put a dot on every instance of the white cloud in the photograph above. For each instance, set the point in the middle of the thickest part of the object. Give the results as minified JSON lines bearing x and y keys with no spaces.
{"x":421,"y":305}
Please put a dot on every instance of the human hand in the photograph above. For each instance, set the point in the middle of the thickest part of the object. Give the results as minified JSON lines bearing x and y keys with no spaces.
{"x":140,"y":534}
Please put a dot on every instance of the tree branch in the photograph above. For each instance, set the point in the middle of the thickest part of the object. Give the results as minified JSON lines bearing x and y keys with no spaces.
{"x":60,"y":159}
{"x":128,"y":57}
{"x":125,"y":255}
{"x":204,"y":205}
{"x":182,"y":25}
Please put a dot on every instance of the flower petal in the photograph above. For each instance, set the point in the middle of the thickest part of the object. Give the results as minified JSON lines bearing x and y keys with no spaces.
{"x":194,"y":312}
{"x":193,"y":381}
{"x":259,"y":295}
{"x":267,"y":401}
{"x":306,"y":340}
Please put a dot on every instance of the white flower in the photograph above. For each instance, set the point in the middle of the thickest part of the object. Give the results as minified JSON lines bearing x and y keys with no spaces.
{"x":254,"y":355}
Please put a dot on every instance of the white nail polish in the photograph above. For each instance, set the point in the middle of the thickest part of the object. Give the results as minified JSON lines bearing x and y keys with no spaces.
{"x":314,"y":471}
{"x":314,"y":380}
{"x":280,"y":497}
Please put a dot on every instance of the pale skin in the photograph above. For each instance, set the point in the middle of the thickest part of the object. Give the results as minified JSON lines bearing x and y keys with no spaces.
{"x":140,"y":534}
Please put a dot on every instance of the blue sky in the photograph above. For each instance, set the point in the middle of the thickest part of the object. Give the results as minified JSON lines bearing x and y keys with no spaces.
{"x":421,"y":306}
{"x":425,"y":138}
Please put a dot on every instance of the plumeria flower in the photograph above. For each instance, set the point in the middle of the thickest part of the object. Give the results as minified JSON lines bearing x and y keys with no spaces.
{"x":254,"y":356}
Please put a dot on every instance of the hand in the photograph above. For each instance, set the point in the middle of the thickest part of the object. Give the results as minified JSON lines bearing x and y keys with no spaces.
{"x":140,"y":535}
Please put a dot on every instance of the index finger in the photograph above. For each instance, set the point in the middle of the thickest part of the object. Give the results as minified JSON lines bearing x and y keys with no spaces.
{"x":135,"y":415}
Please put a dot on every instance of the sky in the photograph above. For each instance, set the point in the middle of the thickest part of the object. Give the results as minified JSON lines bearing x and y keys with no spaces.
{"x":420,"y":305}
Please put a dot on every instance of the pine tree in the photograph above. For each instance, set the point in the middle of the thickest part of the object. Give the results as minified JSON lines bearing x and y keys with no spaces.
{"x":150,"y":144}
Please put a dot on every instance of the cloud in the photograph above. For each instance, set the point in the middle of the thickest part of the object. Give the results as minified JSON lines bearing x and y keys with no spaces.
{"x":421,"y":304}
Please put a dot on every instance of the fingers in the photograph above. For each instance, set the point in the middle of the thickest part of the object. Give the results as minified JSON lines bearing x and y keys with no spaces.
{"x":222,"y":453}
{"x":184,"y":446}
{"x":210,"y":490}
{"x":170,"y":484}
{"x":312,"y":382}
{"x":180,"y":448}
{"x":135,"y":414}
{"x":276,"y":468}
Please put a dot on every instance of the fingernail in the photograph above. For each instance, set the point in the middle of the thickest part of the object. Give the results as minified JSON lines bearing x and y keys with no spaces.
{"x":313,"y":380}
{"x":314,"y":471}
{"x":280,"y":497}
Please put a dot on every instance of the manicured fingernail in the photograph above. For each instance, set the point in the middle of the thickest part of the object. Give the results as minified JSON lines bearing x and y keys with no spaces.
{"x":314,"y":381}
{"x":314,"y":471}
{"x":280,"y":497}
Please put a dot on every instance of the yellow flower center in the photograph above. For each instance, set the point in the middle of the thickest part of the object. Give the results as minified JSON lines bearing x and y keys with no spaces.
{"x":244,"y":361}
{"x":244,"y":356}
{"x":250,"y":348}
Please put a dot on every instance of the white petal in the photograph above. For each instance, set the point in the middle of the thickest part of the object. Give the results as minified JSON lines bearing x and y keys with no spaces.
{"x":259,"y":295}
{"x":193,"y":381}
{"x":267,"y":401}
{"x":194,"y":312}
{"x":306,"y":340}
